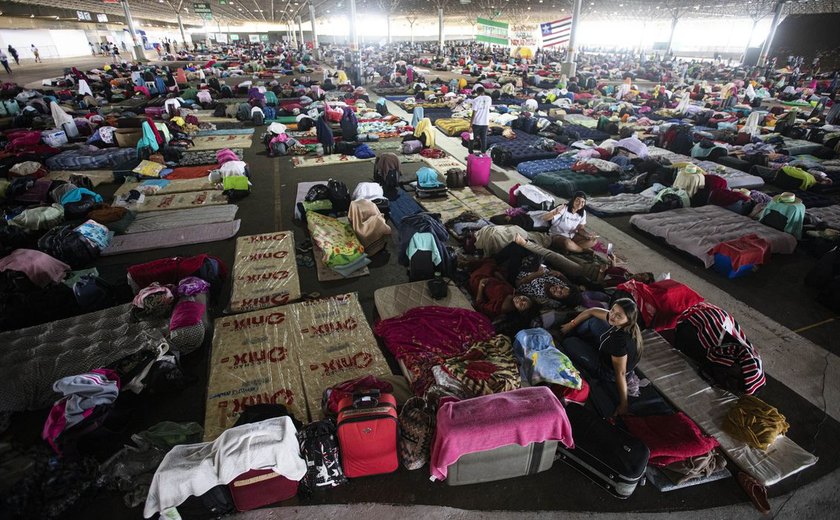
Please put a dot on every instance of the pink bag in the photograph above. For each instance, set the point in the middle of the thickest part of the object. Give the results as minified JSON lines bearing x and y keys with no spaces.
{"x":478,"y":170}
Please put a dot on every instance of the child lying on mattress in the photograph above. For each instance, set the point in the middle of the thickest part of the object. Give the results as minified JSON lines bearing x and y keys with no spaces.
{"x":494,"y":296}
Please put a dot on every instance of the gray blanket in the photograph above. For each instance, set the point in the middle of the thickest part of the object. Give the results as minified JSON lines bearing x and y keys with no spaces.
{"x":32,"y":359}
{"x":621,"y":204}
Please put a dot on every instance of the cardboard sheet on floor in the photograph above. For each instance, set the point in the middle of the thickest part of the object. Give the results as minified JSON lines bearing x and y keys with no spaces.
{"x":287,"y":355}
{"x":190,"y":199}
{"x":97,"y":177}
{"x":449,"y":207}
{"x":217,"y":142}
{"x":443,"y":164}
{"x":264,"y":272}
{"x":160,"y":220}
{"x":678,"y":380}
{"x":175,"y":237}
{"x":174,"y":186}
{"x":480,"y":201}
{"x":325,"y":274}
{"x":396,"y":300}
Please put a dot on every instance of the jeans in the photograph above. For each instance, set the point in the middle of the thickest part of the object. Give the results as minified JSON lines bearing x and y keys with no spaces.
{"x":480,"y":133}
{"x":582,"y":348}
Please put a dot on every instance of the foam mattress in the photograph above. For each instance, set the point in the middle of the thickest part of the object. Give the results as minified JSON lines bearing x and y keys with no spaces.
{"x":697,"y":230}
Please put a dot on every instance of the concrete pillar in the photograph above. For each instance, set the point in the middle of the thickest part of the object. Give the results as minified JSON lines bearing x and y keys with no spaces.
{"x":355,"y":52}
{"x":300,"y":30}
{"x":674,"y":22}
{"x":569,"y":67}
{"x":314,"y":32}
{"x":440,"y":28}
{"x":747,"y":47}
{"x":765,"y":49}
{"x":181,"y":27}
{"x":139,"y":53}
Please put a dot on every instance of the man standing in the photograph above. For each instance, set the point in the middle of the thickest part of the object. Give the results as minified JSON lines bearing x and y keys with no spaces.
{"x":36,"y":53}
{"x":481,"y":116}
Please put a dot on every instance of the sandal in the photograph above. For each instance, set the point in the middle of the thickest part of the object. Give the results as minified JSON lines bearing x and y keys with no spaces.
{"x":756,"y":492}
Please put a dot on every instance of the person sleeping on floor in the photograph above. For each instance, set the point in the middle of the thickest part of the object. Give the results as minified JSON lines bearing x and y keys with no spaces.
{"x":494,"y":295}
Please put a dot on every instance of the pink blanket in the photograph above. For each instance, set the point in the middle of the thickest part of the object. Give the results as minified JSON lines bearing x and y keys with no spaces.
{"x":520,"y":417}
{"x":443,"y":331}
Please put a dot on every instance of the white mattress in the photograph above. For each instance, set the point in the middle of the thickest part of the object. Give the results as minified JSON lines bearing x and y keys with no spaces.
{"x":673,"y":375}
{"x":734,"y":178}
{"x":829,"y":214}
{"x":698,"y":230}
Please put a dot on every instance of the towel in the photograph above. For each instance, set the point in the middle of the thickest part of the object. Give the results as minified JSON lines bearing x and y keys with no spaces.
{"x":755,"y":422}
{"x":519,"y":417}
{"x":193,"y":469}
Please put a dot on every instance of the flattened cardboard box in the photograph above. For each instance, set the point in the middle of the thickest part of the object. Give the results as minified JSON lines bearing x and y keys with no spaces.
{"x":288,"y":355}
{"x":264,"y":272}
{"x":337,"y":344}
{"x":253,"y":362}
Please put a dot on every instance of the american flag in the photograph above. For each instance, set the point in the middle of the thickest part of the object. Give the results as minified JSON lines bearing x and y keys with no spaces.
{"x":556,"y":32}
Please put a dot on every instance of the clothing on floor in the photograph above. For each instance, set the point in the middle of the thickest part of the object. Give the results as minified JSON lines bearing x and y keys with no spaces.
{"x":755,"y":422}
{"x":370,"y":226}
{"x":40,"y":268}
{"x":670,"y":438}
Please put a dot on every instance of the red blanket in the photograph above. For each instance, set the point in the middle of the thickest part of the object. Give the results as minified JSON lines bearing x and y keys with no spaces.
{"x":670,"y":438}
{"x":434,"y":330}
{"x":191,"y":172}
{"x":661,"y":303}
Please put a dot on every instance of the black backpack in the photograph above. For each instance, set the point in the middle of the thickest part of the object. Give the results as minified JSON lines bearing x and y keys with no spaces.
{"x":317,"y":192}
{"x":219,"y":111}
{"x":68,"y":246}
{"x":339,"y":195}
{"x":319,"y":446}
{"x":668,"y":202}
{"x":225,"y":91}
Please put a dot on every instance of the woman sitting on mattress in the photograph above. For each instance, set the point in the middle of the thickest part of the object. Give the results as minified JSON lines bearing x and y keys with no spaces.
{"x":567,"y":226}
{"x":607,"y":345}
{"x":494,"y":296}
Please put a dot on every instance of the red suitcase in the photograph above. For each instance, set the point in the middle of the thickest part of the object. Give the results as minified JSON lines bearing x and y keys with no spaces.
{"x":478,"y":169}
{"x":368,"y":430}
{"x":261,"y":487}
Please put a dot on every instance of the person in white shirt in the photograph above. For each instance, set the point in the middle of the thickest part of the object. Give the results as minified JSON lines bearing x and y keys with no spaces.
{"x":481,"y":115}
{"x":567,"y":226}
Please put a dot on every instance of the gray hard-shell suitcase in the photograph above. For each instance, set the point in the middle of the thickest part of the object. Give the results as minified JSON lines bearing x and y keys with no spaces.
{"x":504,"y":462}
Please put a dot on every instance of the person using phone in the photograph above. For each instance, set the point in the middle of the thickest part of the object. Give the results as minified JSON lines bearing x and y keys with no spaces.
{"x":568,"y":232}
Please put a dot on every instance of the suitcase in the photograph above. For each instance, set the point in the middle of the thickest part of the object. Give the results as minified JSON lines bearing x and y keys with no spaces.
{"x":504,"y":462}
{"x":497,"y":458}
{"x":368,"y":430}
{"x":261,"y":487}
{"x":478,"y":170}
{"x":608,"y":455}
{"x":431,"y":193}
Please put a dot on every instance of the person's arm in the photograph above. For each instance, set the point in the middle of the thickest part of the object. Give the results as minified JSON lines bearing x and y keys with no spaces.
{"x":620,"y":369}
{"x":601,"y":314}
{"x":479,"y":295}
{"x":559,"y":210}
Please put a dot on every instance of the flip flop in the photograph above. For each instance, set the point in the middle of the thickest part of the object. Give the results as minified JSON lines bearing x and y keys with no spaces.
{"x":756,"y":492}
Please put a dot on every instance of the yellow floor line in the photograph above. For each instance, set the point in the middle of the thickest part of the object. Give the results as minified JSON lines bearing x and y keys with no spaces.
{"x":809,"y":327}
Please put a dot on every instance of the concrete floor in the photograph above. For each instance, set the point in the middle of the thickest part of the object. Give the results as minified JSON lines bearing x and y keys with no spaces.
{"x":803,"y":380}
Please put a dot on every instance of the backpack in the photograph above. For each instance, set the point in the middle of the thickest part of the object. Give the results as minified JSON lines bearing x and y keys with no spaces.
{"x":243,"y":112}
{"x":219,"y":111}
{"x":339,"y":195}
{"x":225,"y":91}
{"x":319,"y":447}
{"x":456,"y":178}
{"x":668,"y":202}
{"x":258,"y":118}
{"x":64,"y":244}
{"x":317,"y":192}
{"x":270,"y":112}
{"x":391,"y":183}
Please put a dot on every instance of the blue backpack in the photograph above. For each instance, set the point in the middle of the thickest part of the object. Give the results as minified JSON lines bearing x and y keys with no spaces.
{"x":270,"y":113}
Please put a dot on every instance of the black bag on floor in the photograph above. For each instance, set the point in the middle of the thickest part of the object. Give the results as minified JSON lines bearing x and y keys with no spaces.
{"x":339,"y":195}
{"x":421,"y":266}
{"x":213,"y":504}
{"x":68,"y":246}
{"x":608,"y":455}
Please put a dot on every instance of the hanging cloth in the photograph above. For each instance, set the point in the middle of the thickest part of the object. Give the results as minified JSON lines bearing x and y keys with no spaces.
{"x":59,"y":116}
{"x":149,"y":138}
{"x":84,"y":88}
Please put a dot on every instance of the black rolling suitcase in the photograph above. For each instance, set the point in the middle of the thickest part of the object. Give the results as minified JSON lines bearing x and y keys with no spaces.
{"x":608,"y":455}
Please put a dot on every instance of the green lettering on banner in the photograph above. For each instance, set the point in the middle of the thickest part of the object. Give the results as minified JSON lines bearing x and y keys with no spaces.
{"x":491,"y":31}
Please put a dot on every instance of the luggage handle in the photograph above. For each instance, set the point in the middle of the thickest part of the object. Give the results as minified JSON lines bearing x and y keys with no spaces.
{"x":366,"y":398}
